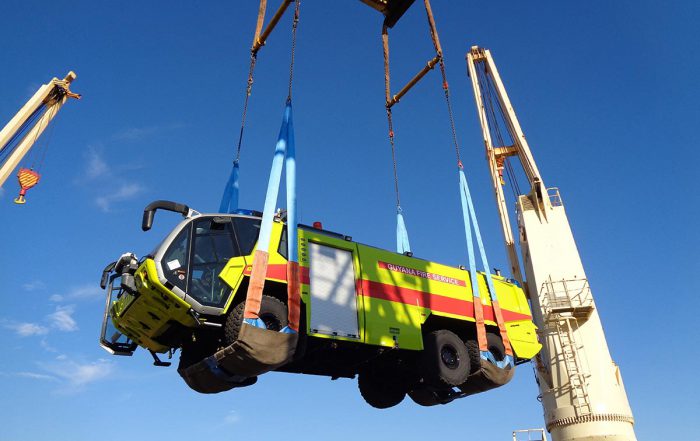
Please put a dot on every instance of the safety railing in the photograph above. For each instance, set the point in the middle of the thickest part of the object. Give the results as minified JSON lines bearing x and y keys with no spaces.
{"x":567,"y":296}
{"x":554,"y":197}
{"x":529,"y":435}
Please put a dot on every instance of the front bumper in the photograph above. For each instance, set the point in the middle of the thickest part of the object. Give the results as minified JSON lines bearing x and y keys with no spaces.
{"x":141,"y":308}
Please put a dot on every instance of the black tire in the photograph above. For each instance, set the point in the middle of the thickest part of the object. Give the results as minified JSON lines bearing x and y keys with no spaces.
{"x":272,"y":311}
{"x":474,"y":355}
{"x":495,"y":345}
{"x":445,"y":359}
{"x":379,"y":387}
{"x":424,"y":397}
{"x":193,"y":352}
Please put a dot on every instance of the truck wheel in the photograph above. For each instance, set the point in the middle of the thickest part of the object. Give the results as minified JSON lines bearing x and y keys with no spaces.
{"x":379,"y":387}
{"x":495,"y":345}
{"x":272,"y":311}
{"x":474,"y":355}
{"x":445,"y":358}
{"x":424,"y":397}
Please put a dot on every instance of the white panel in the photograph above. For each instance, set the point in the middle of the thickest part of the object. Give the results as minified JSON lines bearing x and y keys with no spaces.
{"x":333,"y":298}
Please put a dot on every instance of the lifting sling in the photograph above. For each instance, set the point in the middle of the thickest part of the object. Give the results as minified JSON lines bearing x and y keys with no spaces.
{"x":257,"y":349}
{"x":229,"y":200}
{"x":494,"y":372}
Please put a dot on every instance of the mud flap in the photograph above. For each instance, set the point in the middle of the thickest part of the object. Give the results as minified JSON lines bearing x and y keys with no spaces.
{"x":256,"y":352}
{"x":486,"y":378}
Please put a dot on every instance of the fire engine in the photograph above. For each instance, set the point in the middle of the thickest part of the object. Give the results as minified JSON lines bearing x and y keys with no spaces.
{"x":403,"y":325}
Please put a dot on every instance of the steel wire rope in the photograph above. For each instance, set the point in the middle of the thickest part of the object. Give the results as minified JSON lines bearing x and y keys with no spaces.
{"x":7,"y":149}
{"x":249,"y":89}
{"x":512,"y":176}
{"x":446,"y":88}
{"x":42,"y":148}
{"x":45,"y":148}
{"x":295,"y":24}
{"x":486,"y":86}
{"x":393,"y":158}
{"x":387,"y":89}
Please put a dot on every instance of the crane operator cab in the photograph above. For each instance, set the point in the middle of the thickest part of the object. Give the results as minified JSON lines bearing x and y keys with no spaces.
{"x":179,"y":285}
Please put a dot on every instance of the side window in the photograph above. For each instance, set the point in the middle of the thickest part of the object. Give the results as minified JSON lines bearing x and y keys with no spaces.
{"x":247,"y":231}
{"x":212,"y":247}
{"x":283,"y":249}
{"x":175,"y":259}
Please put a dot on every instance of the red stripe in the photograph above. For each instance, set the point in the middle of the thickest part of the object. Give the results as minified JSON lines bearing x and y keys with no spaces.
{"x":434,"y":302}
{"x":393,"y":293}
{"x":279,"y":272}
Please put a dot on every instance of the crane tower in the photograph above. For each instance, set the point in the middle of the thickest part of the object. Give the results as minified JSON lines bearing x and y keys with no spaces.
{"x":581,"y":387}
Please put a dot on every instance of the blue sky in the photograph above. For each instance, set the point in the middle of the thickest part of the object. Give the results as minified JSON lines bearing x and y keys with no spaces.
{"x":605,"y":91}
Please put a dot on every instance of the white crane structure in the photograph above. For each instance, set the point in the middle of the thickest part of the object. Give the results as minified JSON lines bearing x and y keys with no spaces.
{"x":581,"y":388}
{"x":29,"y":123}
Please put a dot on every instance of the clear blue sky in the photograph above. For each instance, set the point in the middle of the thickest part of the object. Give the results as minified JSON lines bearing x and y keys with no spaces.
{"x":606,"y":93}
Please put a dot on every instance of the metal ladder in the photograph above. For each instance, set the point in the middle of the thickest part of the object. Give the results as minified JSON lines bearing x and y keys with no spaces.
{"x":572,"y":362}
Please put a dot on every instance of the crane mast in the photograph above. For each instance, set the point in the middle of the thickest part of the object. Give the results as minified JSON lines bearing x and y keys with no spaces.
{"x":581,"y":387}
{"x":48,"y":100}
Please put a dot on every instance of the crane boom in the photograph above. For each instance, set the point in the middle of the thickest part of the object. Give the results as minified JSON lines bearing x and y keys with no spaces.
{"x":581,"y":387}
{"x":51,"y":96}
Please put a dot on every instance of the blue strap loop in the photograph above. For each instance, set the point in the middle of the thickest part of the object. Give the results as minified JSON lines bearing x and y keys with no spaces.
{"x":470,"y":221}
{"x":229,"y":200}
{"x":402,"y":244}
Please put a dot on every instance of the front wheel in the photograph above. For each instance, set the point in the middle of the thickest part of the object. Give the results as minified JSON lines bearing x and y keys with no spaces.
{"x":272,"y":312}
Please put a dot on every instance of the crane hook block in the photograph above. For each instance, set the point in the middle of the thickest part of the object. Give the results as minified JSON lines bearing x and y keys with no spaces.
{"x":27,"y":178}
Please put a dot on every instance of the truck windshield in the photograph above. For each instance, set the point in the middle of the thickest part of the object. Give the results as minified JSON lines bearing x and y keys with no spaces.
{"x":213,"y":244}
{"x":176,"y":259}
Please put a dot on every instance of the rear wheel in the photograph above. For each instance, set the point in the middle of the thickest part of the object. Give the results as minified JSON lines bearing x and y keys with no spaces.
{"x":424,"y":397}
{"x":474,"y":355}
{"x":379,"y":387}
{"x":496,"y":346}
{"x":445,"y":359}
{"x":272,"y":311}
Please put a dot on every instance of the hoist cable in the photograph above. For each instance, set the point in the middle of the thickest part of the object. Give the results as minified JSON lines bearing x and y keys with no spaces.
{"x":9,"y":147}
{"x":387,"y":93}
{"x":41,"y":149}
{"x":402,"y":242}
{"x":491,"y":90}
{"x":487,"y":90}
{"x":45,"y":147}
{"x":249,"y":88}
{"x":294,"y":43}
{"x":393,"y":157}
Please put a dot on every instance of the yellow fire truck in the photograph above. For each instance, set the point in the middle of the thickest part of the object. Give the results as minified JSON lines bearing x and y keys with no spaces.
{"x":401,"y":324}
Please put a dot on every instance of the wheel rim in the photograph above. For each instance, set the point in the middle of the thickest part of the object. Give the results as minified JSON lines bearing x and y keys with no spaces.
{"x":449,"y":357}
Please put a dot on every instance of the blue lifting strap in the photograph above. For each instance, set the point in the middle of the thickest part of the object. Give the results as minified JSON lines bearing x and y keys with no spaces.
{"x":284,"y":148}
{"x":470,"y":222}
{"x":291,"y":184}
{"x":273,"y":184}
{"x":229,"y":201}
{"x":402,"y":245}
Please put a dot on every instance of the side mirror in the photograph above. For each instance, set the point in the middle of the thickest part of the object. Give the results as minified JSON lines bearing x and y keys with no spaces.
{"x":150,"y":211}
